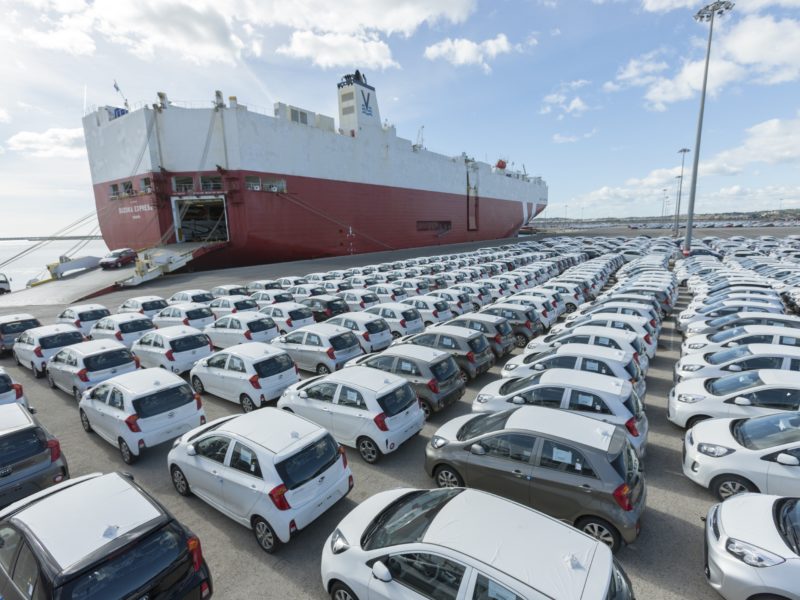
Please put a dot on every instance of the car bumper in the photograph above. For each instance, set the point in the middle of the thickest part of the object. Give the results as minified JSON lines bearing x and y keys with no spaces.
{"x":55,"y":473}
{"x":393,"y":440}
{"x":679,"y":413}
{"x":165,"y":434}
{"x":317,"y":507}
{"x":447,"y":399}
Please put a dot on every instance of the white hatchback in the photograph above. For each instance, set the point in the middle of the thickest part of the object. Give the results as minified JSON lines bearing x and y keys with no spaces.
{"x":78,"y":368}
{"x":432,"y":309}
{"x":10,"y":390}
{"x":196,"y":296}
{"x":34,"y":347}
{"x":359,"y":298}
{"x":191,"y":314}
{"x":370,"y":410}
{"x":126,"y":328}
{"x":289,"y":316}
{"x":145,"y":305}
{"x":83,"y":316}
{"x":175,"y":348}
{"x":269,"y":297}
{"x":228,"y":305}
{"x":372,"y":331}
{"x":230,"y":289}
{"x":402,"y":319}
{"x":251,"y":374}
{"x":241,"y":328}
{"x":140,"y":410}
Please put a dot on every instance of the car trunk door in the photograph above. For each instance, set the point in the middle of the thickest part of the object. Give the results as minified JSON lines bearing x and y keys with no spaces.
{"x":23,"y":455}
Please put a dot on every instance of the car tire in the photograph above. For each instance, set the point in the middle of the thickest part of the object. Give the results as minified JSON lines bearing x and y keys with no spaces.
{"x":283,"y":332}
{"x":198,"y":385}
{"x":571,"y":308}
{"x":247,"y":403}
{"x":37,"y":373}
{"x":428,"y":323}
{"x":463,"y":376}
{"x":266,"y":537}
{"x":323,"y":369}
{"x":695,"y":420}
{"x":179,"y":481}
{"x":426,"y":408}
{"x":76,"y":393}
{"x":87,"y":427}
{"x":446,"y":477}
{"x":520,"y":341}
{"x":50,"y":381}
{"x":340,"y":591}
{"x":725,"y":486}
{"x":368,"y":450}
{"x":128,"y":457}
{"x":601,"y":530}
{"x":396,"y":335}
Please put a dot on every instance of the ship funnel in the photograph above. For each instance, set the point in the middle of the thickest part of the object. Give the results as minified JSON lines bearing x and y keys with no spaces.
{"x":358,"y":104}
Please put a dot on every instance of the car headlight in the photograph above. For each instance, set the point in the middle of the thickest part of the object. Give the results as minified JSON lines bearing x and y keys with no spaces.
{"x":510,"y":367}
{"x":696,"y":346}
{"x":689,"y":398}
{"x":338,"y":542}
{"x":438,"y":441}
{"x":684,"y":316}
{"x":714,"y":450}
{"x":752,"y":555}
{"x":483,"y":398}
{"x":691,"y":368}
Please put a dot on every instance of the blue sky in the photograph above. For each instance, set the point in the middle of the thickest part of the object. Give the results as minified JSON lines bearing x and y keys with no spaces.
{"x":596,"y":96}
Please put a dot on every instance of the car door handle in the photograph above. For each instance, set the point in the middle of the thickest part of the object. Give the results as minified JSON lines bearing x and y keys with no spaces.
{"x":587,"y":488}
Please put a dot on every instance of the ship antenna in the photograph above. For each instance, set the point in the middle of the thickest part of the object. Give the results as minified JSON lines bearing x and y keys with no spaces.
{"x":119,"y":91}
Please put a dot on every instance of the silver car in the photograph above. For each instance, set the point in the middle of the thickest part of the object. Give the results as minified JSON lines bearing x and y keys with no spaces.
{"x":77,"y":368}
{"x":321,"y":348}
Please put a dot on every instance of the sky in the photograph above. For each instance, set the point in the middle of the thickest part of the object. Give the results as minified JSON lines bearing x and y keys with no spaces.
{"x":595,"y":96}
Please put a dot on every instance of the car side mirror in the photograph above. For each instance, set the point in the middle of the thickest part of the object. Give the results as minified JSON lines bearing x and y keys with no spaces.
{"x":742,"y":401}
{"x":204,"y":363}
{"x":282,"y":339}
{"x":731,"y":344}
{"x":477,"y":450}
{"x":381,"y":572}
{"x":734,"y":368}
{"x":556,"y":344}
{"x":787,"y":459}
{"x":537,"y":367}
{"x":303,"y":394}
{"x":190,"y":450}
{"x":518,"y":400}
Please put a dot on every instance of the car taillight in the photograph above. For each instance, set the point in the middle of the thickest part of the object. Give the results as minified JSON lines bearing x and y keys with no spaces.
{"x":554,"y":303}
{"x":83,"y":375}
{"x":331,"y":353}
{"x":278,"y":497}
{"x":434,"y":386}
{"x":132,"y":424}
{"x":380,"y":422}
{"x":575,"y":295}
{"x":205,"y":591}
{"x":248,"y":334}
{"x":210,"y":344}
{"x":141,"y":310}
{"x":362,"y":305}
{"x":55,"y":450}
{"x":38,"y":351}
{"x":647,"y":339}
{"x":77,"y":322}
{"x":118,"y":335}
{"x":328,"y":312}
{"x":393,"y":298}
{"x":636,"y":357}
{"x":458,"y":304}
{"x":403,"y":323}
{"x":170,"y":355}
{"x":366,"y":335}
{"x":344,"y":456}
{"x":630,"y":425}
{"x":652,"y":322}
{"x":498,"y":339}
{"x":186,"y":321}
{"x":623,"y":497}
{"x":198,"y":401}
{"x":289,"y":323}
{"x":17,"y":390}
{"x":471,"y":357}
{"x":435,"y":314}
{"x":529,"y":325}
{"x":544,"y":312}
{"x":196,"y":552}
{"x":234,"y":310}
{"x":254,"y":382}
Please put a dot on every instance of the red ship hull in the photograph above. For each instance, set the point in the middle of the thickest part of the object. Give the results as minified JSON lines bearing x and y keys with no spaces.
{"x":314,"y":218}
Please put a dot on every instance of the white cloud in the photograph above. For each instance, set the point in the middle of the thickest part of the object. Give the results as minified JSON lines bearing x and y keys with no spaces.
{"x":52,"y":143}
{"x":4,"y":116}
{"x":328,"y":50}
{"x":748,"y":6}
{"x":563,"y":100}
{"x":576,"y":106}
{"x":555,"y":32}
{"x":752,"y":43}
{"x":689,"y":81}
{"x":462,"y":51}
{"x":559,"y":138}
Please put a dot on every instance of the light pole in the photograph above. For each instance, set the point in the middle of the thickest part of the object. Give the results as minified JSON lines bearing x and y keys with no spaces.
{"x":664,"y":203}
{"x":707,"y":13}
{"x":682,"y":152}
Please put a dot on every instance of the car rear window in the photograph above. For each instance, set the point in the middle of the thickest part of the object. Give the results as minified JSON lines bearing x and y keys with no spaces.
{"x":237,"y":291}
{"x":246,"y":305}
{"x":5,"y":384}
{"x":19,"y":326}
{"x":338,"y":305}
{"x":377,"y":326}
{"x":626,"y":464}
{"x":397,"y":401}
{"x":202,"y":298}
{"x":59,"y":340}
{"x":634,"y":404}
{"x":134,"y":326}
{"x":503,"y":328}
{"x":163,"y":401}
{"x":343,"y":340}
{"x":412,"y":314}
{"x":154,"y":305}
{"x":21,"y":445}
{"x":478,"y":344}
{"x":441,"y":305}
{"x":308,"y":463}
{"x":107,"y":360}
{"x":199,"y":313}
{"x":273,"y":366}
{"x":94,"y":315}
{"x":298,"y":314}
{"x":632,"y":369}
{"x":444,"y":369}
{"x":261,"y":324}
{"x":370,"y":298}
{"x":531,"y":315}
{"x":283,"y":297}
{"x":190,"y":342}
{"x":159,"y":560}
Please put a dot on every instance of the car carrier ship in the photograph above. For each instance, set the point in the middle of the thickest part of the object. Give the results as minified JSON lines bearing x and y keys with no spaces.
{"x":260,"y":188}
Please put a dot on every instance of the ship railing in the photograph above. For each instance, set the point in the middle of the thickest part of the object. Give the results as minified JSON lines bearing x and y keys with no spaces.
{"x":212,"y":186}
{"x":184,"y":188}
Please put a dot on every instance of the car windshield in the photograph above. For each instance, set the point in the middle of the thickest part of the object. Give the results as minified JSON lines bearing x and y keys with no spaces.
{"x":725,"y":356}
{"x":135,"y":325}
{"x":515,"y":385}
{"x":273,"y":366}
{"x":768,"y":431}
{"x":298,"y":314}
{"x":444,"y":369}
{"x":59,"y":340}
{"x":199,"y":313}
{"x":733,"y":383}
{"x":244,"y":305}
{"x":18,"y":326}
{"x":5,"y":383}
{"x":189,"y":342}
{"x":261,"y":325}
{"x":163,"y":401}
{"x":728,"y":334}
{"x":205,"y":297}
{"x":21,"y":445}
{"x":619,"y":588}
{"x":406,"y":520}
{"x":108,"y":360}
{"x":397,"y":401}
{"x":721,"y":321}
{"x":377,"y":326}
{"x":787,"y":517}
{"x":478,"y":344}
{"x":308,"y":463}
{"x":343,"y":341}
{"x":485,"y":423}
{"x":94,"y":315}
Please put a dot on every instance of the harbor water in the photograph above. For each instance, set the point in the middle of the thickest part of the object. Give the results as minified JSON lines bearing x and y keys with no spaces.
{"x":34,"y":265}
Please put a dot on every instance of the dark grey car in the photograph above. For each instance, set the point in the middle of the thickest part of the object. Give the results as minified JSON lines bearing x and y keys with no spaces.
{"x":30,"y":458}
{"x":469,"y":348}
{"x":495,"y":329}
{"x":524,"y":320}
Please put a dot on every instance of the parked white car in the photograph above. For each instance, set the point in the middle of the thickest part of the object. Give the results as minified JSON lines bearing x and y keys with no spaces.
{"x":77,"y":368}
{"x":230,"y":289}
{"x":190,"y":314}
{"x":125,"y":328}
{"x":320,"y":348}
{"x":431,"y":308}
{"x":83,"y":316}
{"x":11,"y":391}
{"x":289,"y":316}
{"x":141,"y":410}
{"x":145,"y":305}
{"x":737,"y":359}
{"x":305,"y":290}
{"x":175,"y":348}
{"x":251,"y":374}
{"x":459,"y":301}
{"x":367,"y":409}
{"x":266,"y":298}
{"x":402,"y":319}
{"x":263,"y":284}
{"x":359,"y":299}
{"x":228,"y":305}
{"x":389,"y":292}
{"x":240,"y":328}
{"x":196,"y":296}
{"x":34,"y":347}
{"x":372,"y":331}
{"x":291,"y":280}
{"x":11,"y":326}
{"x":270,"y":471}
{"x":737,"y":336}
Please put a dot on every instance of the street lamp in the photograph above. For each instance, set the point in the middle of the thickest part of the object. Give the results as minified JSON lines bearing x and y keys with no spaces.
{"x":664,"y":203}
{"x":682,"y":152}
{"x":707,"y":13}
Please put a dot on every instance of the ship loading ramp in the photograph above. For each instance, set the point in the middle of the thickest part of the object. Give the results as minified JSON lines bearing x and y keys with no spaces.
{"x":152,"y":263}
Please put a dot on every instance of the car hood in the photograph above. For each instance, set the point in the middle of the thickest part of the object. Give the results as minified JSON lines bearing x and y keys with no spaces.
{"x":715,"y":431}
{"x":449,"y":430}
{"x":700,"y":338}
{"x":696,"y":358}
{"x":693,"y":386}
{"x":748,"y":517}
{"x":493,"y":388}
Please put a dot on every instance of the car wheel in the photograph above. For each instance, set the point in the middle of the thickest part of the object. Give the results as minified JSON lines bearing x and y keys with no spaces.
{"x":725,"y":486}
{"x":198,"y":385}
{"x":76,"y":393}
{"x":476,"y":307}
{"x":87,"y":427}
{"x":369,"y":450}
{"x":396,"y":335}
{"x":520,"y":340}
{"x":447,"y":477}
{"x":695,"y":420}
{"x":601,"y":530}
{"x":463,"y":376}
{"x":247,"y":403}
{"x":283,"y":332}
{"x":265,"y":535}
{"x":571,"y":308}
{"x":428,"y":323}
{"x":426,"y":408}
{"x":323,"y":369}
{"x":128,"y":457}
{"x":179,"y":481}
{"x":50,"y":381}
{"x":340,"y":591}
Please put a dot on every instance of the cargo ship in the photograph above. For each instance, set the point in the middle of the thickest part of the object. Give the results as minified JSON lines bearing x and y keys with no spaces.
{"x":261,"y":188}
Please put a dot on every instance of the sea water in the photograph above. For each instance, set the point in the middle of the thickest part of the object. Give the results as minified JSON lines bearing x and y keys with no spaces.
{"x":34,"y":265}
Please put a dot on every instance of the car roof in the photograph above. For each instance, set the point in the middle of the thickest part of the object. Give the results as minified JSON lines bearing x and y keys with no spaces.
{"x":49,"y":329}
{"x":273,"y":429}
{"x":286,"y":305}
{"x":14,"y":416}
{"x":146,"y":380}
{"x":425,"y":353}
{"x":234,"y":297}
{"x":192,"y":292}
{"x":15,"y":317}
{"x":227,"y":286}
{"x":479,"y":316}
{"x":594,"y":351}
{"x":604,"y":331}
{"x":96,"y":347}
{"x":359,"y":316}
{"x":779,"y":377}
{"x":100,"y":510}
{"x":502,"y":538}
{"x":145,"y":298}
{"x":604,"y":384}
{"x":325,"y":329}
{"x":773,"y":349}
{"x":392,"y":305}
{"x":569,"y":425}
{"x":509,"y":305}
{"x":461,"y":332}
{"x":81,"y":307}
{"x":127,"y":316}
{"x":254,"y":350}
{"x":187,"y":305}
{"x":177,"y":331}
{"x":365,"y":377}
